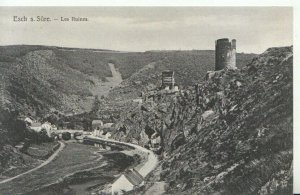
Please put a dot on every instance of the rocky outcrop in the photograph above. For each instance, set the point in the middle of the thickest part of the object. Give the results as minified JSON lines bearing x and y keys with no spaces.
{"x":232,"y":135}
{"x":247,"y":147}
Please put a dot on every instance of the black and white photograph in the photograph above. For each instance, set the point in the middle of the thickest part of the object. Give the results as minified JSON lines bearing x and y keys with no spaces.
{"x":146,"y":100}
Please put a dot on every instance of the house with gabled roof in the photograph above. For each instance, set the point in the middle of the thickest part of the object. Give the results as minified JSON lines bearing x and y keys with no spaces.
{"x":97,"y":124}
{"x":128,"y":181}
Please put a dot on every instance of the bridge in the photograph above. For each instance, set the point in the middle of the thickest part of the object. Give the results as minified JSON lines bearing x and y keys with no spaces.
{"x":107,"y":144}
{"x":69,"y":134}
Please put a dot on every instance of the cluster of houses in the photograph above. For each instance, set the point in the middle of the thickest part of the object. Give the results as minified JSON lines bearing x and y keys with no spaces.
{"x":99,"y":128}
{"x":102,"y":130}
{"x":37,"y":126}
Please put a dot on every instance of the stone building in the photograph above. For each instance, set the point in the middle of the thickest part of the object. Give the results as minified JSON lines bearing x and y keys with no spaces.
{"x":167,"y":80}
{"x":225,"y":54}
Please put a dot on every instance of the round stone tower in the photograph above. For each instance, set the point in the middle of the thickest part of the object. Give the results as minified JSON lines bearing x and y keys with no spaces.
{"x":225,"y":54}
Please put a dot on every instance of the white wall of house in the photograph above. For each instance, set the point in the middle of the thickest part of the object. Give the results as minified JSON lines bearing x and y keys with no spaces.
{"x":176,"y":88}
{"x":98,"y":133}
{"x":107,"y":125}
{"x":138,"y":100}
{"x":107,"y":135}
{"x":37,"y":129}
{"x":28,"y":120}
{"x":48,"y":128}
{"x":121,"y":184}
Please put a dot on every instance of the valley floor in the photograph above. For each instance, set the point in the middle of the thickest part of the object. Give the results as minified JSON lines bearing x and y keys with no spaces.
{"x":51,"y":158}
{"x":73,"y":159}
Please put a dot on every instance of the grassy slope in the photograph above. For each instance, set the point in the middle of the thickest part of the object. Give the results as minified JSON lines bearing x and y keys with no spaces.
{"x":65,"y":164}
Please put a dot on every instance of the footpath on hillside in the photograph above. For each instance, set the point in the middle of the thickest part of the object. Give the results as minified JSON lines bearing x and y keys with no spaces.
{"x":52,"y":157}
{"x":103,"y":88}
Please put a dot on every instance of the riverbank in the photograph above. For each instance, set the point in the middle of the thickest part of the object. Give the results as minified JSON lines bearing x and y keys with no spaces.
{"x":91,"y":179}
{"x":148,"y":161}
{"x":145,"y":167}
{"x":76,"y":165}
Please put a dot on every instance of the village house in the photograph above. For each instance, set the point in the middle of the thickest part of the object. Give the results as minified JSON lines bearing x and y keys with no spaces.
{"x":138,"y":100}
{"x":126,"y":182}
{"x":36,"y":126}
{"x":176,"y":88}
{"x":106,"y":134}
{"x":102,"y":130}
{"x":102,"y":133}
{"x":155,"y":142}
{"x":97,"y":132}
{"x":107,"y":129}
{"x":97,"y":124}
{"x":28,"y":121}
{"x":48,"y":127}
{"x":108,"y":125}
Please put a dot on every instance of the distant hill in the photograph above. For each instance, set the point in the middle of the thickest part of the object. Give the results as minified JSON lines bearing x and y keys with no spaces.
{"x":190,"y":67}
{"x":39,"y":78}
{"x":36,"y":79}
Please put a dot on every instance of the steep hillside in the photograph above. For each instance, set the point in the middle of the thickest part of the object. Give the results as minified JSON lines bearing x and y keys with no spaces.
{"x":189,"y":67}
{"x":39,"y":78}
{"x":38,"y":82}
{"x":233,"y":135}
{"x":36,"y":79}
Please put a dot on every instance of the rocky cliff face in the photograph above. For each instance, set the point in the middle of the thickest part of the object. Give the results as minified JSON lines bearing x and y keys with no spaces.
{"x":229,"y":135}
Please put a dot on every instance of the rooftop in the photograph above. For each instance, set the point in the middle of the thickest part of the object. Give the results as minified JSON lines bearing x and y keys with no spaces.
{"x":134,"y":177}
{"x":96,"y":122}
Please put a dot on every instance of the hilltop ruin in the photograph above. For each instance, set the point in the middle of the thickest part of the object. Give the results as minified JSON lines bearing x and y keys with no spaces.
{"x":225,"y":54}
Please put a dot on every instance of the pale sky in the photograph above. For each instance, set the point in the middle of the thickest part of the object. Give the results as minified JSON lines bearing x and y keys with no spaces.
{"x":150,"y":28}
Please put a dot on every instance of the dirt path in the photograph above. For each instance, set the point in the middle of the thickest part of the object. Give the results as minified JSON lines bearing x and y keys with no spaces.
{"x":116,"y":76}
{"x":62,"y":145}
{"x":103,"y":88}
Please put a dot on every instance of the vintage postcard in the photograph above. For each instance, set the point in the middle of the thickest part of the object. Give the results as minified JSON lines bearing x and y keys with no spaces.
{"x":146,"y":100}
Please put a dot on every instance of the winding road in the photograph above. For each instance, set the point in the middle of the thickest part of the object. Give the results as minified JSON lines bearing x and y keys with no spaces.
{"x":148,"y":166}
{"x":144,"y":170}
{"x":61,"y":147}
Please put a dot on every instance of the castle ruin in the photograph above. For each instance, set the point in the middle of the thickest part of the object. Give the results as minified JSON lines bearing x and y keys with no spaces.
{"x":167,"y":79}
{"x":225,"y":54}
